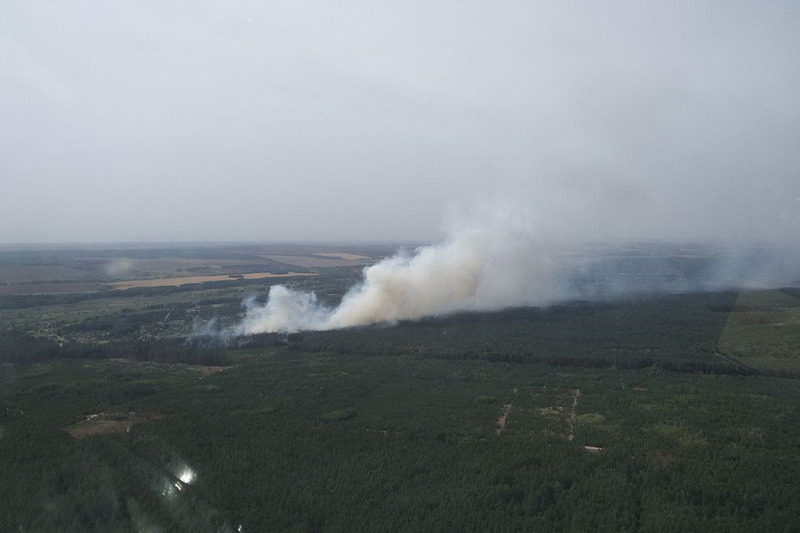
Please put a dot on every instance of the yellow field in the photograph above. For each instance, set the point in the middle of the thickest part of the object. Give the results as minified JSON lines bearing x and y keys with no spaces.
{"x":175,"y":282}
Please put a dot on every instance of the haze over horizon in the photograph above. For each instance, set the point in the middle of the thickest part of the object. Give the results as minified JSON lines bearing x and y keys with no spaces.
{"x":321,"y":121}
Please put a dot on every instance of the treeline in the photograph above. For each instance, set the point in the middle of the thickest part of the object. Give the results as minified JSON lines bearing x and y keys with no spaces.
{"x":213,"y":350}
{"x":709,"y":366}
{"x":21,"y":348}
{"x":257,"y":340}
{"x":675,"y":333}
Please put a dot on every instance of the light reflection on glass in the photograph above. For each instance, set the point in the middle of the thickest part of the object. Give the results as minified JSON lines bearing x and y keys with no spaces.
{"x":180,"y":469}
{"x":187,"y":475}
{"x":168,"y":490}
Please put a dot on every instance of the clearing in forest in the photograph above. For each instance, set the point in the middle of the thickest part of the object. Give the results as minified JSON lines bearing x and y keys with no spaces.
{"x":203,"y":370}
{"x":101,"y":423}
{"x":501,"y":421}
{"x":542,"y":410}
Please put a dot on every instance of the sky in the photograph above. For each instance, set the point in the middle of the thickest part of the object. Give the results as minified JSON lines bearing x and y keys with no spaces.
{"x":368,"y":121}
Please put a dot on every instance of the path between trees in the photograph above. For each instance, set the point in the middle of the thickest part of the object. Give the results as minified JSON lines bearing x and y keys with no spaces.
{"x":507,"y":408}
{"x":501,"y":422}
{"x":576,"y":393}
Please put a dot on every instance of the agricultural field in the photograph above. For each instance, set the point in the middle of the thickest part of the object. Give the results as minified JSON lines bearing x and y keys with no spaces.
{"x":188,"y":280}
{"x":321,"y":260}
{"x":66,"y":270}
{"x":671,"y":412}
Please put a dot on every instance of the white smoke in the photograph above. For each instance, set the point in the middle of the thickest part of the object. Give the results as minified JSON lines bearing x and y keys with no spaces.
{"x":118,"y":267}
{"x":492,"y":257}
{"x":500,"y":255}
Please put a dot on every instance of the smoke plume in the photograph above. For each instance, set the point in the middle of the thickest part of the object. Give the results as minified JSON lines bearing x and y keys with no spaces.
{"x":492,"y":257}
{"x":499,"y":255}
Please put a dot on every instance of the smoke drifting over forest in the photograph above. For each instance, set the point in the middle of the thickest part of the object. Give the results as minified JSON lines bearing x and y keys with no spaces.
{"x":491,"y":258}
{"x":498,"y":256}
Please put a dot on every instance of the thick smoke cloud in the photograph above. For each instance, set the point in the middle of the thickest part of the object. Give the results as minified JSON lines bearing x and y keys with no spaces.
{"x":500,"y":254}
{"x":492,"y":257}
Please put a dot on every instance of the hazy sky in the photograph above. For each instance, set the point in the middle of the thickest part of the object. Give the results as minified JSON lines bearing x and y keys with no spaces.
{"x":365,"y":120}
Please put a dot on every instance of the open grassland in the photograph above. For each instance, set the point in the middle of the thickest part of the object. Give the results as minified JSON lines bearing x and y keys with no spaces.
{"x":314,"y":261}
{"x":49,"y":288}
{"x":27,"y":273}
{"x":763,"y":331}
{"x":177,"y":282}
{"x":344,"y":255}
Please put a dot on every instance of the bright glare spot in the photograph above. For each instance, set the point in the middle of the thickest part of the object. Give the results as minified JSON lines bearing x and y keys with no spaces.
{"x":169,"y":491}
{"x":187,"y":476}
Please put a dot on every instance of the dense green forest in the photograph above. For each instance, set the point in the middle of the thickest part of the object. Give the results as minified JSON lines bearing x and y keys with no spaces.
{"x":659,"y":414}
